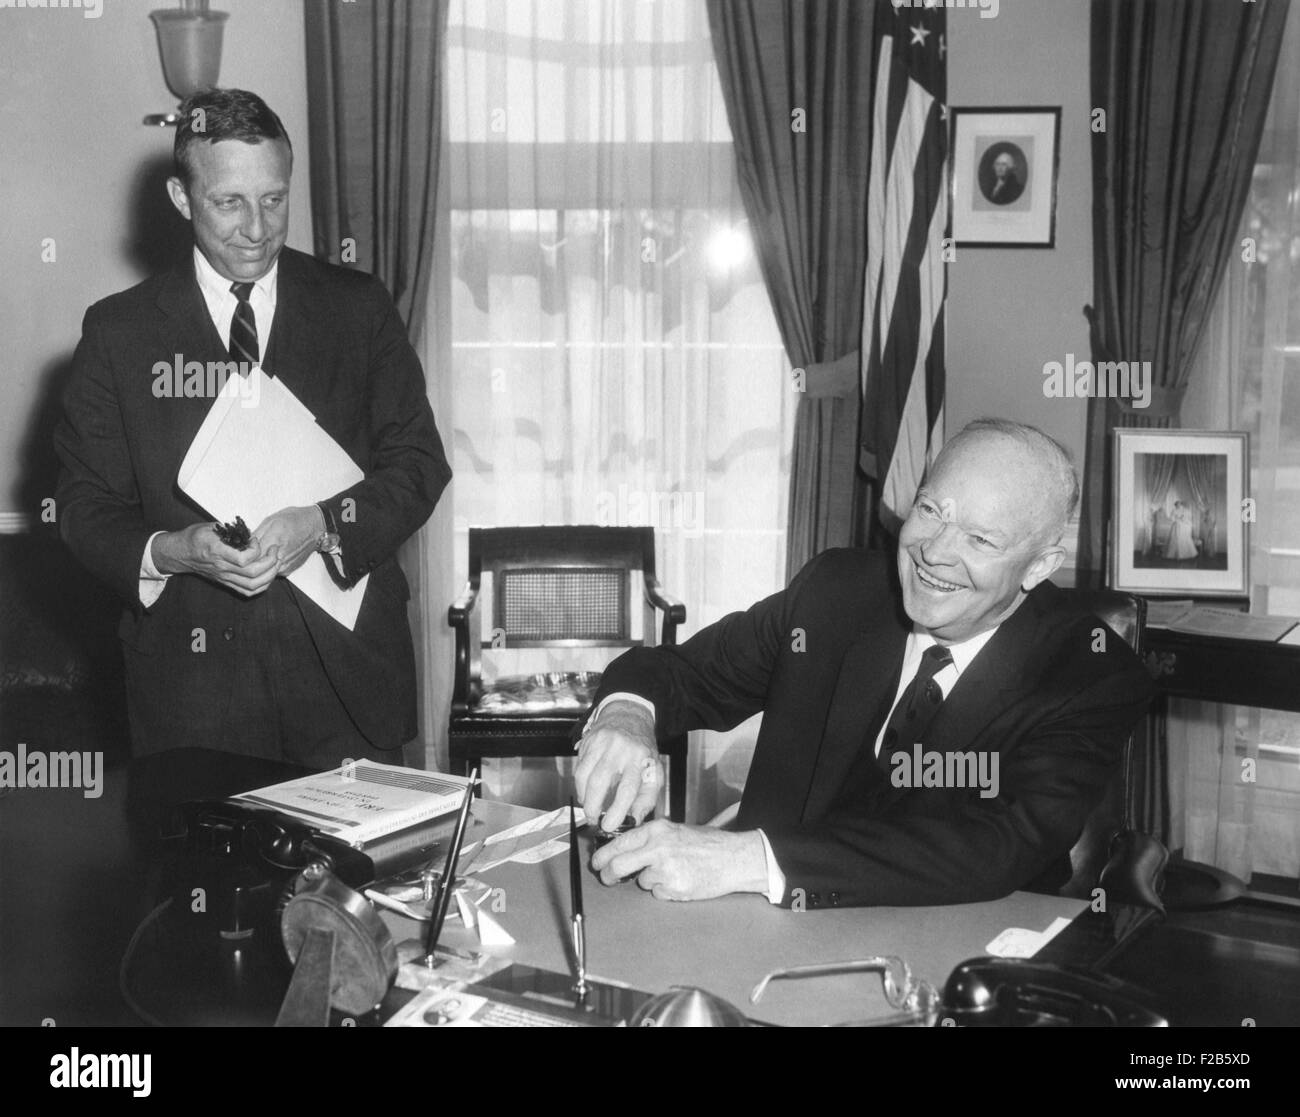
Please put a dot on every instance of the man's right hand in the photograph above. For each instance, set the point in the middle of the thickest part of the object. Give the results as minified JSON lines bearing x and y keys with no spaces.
{"x":198,"y":550}
{"x":619,"y":754}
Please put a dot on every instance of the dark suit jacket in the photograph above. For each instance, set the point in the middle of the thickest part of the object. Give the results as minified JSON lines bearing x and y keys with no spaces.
{"x":338,"y":343}
{"x":822,"y":661}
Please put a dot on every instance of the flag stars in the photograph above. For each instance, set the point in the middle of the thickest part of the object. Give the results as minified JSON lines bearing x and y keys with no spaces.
{"x":918,"y":35}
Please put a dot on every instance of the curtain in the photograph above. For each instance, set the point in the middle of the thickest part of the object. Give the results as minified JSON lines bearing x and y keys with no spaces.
{"x":613,"y":354}
{"x":374,"y":85}
{"x":796,"y":76}
{"x":1243,"y":379}
{"x":1184,"y":85}
{"x":1159,"y":473}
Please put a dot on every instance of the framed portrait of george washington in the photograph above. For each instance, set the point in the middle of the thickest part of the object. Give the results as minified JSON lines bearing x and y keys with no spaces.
{"x":1003,"y":181}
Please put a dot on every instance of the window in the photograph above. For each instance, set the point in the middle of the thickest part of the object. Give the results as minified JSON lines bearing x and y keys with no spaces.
{"x":614,"y":357}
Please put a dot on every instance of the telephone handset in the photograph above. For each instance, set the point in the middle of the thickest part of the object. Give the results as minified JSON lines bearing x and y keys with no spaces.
{"x":242,"y":861}
{"x":1012,"y":992}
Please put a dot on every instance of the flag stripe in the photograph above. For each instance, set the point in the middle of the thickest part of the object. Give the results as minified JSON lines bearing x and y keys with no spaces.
{"x":906,"y":283}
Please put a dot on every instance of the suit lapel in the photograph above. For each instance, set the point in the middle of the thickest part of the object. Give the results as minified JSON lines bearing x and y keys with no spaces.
{"x":868,"y":678}
{"x":1009,"y":664}
{"x":187,"y":325}
{"x":292,"y":329}
{"x":185,"y":334}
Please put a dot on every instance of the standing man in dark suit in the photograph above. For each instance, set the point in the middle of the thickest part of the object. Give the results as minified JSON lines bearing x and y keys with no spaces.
{"x":935,"y":733}
{"x":221,"y":651}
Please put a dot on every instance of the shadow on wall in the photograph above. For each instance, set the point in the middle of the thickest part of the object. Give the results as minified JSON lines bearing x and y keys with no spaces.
{"x":157,"y":236}
{"x":60,"y":664}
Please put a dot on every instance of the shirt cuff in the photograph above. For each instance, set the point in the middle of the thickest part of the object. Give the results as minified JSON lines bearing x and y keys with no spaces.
{"x":775,"y":878}
{"x":152,"y":580}
{"x":617,"y":696}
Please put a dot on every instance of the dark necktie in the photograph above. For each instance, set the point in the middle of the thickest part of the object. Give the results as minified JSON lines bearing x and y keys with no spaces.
{"x":917,"y":705}
{"x":243,"y":327}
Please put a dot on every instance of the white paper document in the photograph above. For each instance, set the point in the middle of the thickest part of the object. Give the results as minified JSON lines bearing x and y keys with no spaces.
{"x":1020,"y":942}
{"x":251,"y":461}
{"x":528,"y":843}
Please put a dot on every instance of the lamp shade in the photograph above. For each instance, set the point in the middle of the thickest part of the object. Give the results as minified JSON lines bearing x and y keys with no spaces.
{"x":190,"y":44}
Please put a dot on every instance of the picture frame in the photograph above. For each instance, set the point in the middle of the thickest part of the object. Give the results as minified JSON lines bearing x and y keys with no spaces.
{"x":1178,"y":522}
{"x":1002,"y":186}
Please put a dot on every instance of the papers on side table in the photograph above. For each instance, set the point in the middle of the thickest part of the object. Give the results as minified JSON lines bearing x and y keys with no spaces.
{"x":1206,"y":620}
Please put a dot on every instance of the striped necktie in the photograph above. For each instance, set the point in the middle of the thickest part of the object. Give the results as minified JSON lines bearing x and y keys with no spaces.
{"x":243,"y":327}
{"x":917,"y":705}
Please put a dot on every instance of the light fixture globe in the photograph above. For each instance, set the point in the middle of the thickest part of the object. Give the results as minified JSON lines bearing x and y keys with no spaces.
{"x":189,"y":40}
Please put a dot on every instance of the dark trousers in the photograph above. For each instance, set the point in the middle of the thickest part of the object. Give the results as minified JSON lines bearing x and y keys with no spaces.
{"x":257,"y":688}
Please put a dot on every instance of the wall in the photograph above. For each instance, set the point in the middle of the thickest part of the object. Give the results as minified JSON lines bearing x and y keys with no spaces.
{"x":79,"y":167}
{"x":1012,"y":310}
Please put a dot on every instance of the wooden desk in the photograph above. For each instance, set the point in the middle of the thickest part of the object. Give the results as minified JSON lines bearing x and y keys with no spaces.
{"x":727,"y":945}
{"x":78,"y":875}
{"x":1215,"y":669}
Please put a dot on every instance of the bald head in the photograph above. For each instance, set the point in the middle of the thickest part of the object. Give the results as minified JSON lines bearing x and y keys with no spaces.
{"x":1026,"y":462}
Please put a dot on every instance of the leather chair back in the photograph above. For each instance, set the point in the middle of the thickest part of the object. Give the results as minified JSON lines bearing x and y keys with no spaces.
{"x":1125,"y":614}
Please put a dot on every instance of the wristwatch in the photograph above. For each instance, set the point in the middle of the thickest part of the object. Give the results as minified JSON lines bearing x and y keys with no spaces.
{"x":329,"y":538}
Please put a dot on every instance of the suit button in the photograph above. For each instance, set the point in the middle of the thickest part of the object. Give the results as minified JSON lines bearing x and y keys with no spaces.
{"x":229,"y":634}
{"x":814,"y":899}
{"x":834,"y":899}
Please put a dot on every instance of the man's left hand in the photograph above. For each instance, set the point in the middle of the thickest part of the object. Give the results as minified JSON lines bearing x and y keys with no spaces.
{"x":295,"y":531}
{"x":676,"y":862}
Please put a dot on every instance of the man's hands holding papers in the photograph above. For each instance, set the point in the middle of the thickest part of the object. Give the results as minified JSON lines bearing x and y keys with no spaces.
{"x":197,"y":550}
{"x":293,"y":532}
{"x":676,"y":862}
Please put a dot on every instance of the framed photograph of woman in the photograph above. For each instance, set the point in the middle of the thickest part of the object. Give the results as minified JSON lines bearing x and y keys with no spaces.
{"x":1003,"y":187}
{"x":1180,"y":514}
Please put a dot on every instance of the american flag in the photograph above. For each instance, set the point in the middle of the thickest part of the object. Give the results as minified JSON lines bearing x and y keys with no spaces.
{"x":907,"y":217}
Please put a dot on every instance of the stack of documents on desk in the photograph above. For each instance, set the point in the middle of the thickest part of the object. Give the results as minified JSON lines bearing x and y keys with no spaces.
{"x":252,"y":460}
{"x":363,"y":803}
{"x":1204,"y":620}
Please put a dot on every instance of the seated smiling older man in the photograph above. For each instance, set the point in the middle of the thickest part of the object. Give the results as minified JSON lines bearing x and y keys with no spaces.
{"x":935,"y":730}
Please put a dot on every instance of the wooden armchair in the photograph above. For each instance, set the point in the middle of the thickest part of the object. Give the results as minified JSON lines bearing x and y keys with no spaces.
{"x":552,"y":587}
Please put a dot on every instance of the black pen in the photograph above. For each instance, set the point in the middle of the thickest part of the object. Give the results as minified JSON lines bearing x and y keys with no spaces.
{"x":448,"y":883}
{"x":575,"y":898}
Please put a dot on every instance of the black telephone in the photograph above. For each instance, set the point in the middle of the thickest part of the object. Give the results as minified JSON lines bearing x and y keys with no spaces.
{"x":237,"y":864}
{"x":1021,"y":993}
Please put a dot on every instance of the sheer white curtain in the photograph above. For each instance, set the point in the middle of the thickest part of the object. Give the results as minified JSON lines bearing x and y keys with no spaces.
{"x":1249,"y":379}
{"x":611,"y":353}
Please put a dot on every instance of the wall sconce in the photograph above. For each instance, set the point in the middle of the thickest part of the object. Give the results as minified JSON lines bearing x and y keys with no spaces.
{"x":189,"y":40}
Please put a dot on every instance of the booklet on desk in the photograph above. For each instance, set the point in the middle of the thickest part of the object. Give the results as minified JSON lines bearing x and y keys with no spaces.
{"x":252,"y":459}
{"x":363,"y":803}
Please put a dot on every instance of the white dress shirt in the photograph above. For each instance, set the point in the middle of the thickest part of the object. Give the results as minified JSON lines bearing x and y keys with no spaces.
{"x":221,"y":303}
{"x":917,"y":642}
